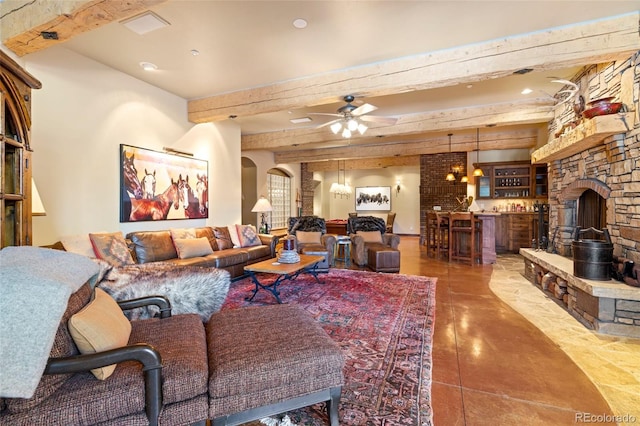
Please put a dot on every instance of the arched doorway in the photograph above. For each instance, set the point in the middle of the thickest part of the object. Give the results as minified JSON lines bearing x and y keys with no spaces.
{"x":249,"y":189}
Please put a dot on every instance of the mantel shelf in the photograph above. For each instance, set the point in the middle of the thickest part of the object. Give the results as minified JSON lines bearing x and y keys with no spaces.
{"x":590,"y":133}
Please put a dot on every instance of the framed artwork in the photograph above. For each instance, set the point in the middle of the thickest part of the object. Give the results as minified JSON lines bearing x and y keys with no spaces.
{"x":373,"y":198}
{"x":159,"y":186}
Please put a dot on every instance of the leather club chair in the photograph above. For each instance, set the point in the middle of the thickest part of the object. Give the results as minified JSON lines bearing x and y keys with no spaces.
{"x":304,"y":231}
{"x":363,"y":232}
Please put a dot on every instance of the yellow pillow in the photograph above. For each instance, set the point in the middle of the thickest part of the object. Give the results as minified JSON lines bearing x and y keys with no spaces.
{"x":308,"y":237}
{"x":192,"y":247}
{"x":100,"y":326}
{"x":370,"y":236}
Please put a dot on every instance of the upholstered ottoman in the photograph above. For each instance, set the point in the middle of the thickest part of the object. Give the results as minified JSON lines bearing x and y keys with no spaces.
{"x":383,"y":259}
{"x":317,"y":251}
{"x":265,"y":360}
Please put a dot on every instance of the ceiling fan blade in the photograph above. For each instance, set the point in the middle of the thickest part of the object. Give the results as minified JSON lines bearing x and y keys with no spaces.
{"x":364,"y":109}
{"x":377,"y":119}
{"x":325,"y":113}
{"x":328,"y":123}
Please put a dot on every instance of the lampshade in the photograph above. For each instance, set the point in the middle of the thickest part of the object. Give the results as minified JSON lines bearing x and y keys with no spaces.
{"x":464,"y":179}
{"x":37,"y":208}
{"x":450,"y":177}
{"x":478,"y":171}
{"x":262,"y":205}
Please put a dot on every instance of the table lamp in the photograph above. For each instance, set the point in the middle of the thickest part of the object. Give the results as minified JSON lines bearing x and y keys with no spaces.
{"x":263,"y":206}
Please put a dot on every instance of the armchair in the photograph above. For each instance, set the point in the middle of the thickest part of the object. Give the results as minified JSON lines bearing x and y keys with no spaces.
{"x":102,"y":368}
{"x":310,"y":234}
{"x":369,"y":233}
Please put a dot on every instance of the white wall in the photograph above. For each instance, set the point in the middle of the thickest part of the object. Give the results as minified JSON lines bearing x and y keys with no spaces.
{"x":82,"y":114}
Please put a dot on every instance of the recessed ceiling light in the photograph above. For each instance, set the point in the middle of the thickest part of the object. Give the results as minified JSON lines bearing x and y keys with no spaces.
{"x":145,"y":22}
{"x":195,"y":52}
{"x":469,"y":86}
{"x":148,"y":66}
{"x":526,"y":91}
{"x":300,"y":120}
{"x":300,"y":23}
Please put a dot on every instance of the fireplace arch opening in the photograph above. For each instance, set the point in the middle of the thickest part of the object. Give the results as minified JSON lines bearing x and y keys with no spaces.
{"x":592,"y":213}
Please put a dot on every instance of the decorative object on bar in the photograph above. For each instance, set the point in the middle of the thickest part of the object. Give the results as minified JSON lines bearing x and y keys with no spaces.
{"x":341,"y":189}
{"x":263,"y":206}
{"x":602,"y":106}
{"x":478,"y":171}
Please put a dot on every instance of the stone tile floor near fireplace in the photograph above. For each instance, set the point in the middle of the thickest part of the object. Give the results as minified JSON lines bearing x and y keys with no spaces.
{"x":506,"y":354}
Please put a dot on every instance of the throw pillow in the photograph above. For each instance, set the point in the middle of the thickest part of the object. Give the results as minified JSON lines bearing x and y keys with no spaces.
{"x":192,"y":247}
{"x":111,"y":247}
{"x":307,"y":237}
{"x":100,"y":326}
{"x":234,"y":235}
{"x":370,"y":236}
{"x":223,"y":238}
{"x":79,"y":244}
{"x":182,"y":233}
{"x":248,"y":236}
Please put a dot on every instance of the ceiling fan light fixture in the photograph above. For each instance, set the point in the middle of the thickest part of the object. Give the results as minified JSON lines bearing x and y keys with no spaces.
{"x":362,"y":128}
{"x":352,"y":124}
{"x":335,"y":127}
{"x":346,"y":133}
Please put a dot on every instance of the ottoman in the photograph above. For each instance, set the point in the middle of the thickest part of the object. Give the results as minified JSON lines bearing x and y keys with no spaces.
{"x":383,"y":259}
{"x":266,"y":360}
{"x":313,"y":251}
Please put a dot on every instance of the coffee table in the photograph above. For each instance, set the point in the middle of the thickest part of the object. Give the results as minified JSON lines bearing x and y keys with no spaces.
{"x":285,"y":271}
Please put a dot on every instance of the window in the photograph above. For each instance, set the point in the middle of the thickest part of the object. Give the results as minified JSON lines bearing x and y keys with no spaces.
{"x":279,"y":195}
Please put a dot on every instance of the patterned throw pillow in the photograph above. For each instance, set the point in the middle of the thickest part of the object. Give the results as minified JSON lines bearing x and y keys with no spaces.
{"x":223,"y":238}
{"x":182,"y":233}
{"x":111,"y":247}
{"x":247,"y":236}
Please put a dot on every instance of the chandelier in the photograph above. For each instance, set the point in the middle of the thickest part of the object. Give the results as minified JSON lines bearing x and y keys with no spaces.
{"x":341,"y":189}
{"x":348,"y":125}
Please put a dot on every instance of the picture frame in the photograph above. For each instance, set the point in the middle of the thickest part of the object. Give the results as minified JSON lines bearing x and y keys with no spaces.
{"x":160,"y":186}
{"x":373,"y":198}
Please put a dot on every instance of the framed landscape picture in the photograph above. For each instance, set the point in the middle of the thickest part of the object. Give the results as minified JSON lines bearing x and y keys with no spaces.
{"x":373,"y":198}
{"x":159,"y":186}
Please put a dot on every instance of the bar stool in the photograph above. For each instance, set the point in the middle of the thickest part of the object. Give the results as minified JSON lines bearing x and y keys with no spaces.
{"x":464,"y":230}
{"x":437,"y":234}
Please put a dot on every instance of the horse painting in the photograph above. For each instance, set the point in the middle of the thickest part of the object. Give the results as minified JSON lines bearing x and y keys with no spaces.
{"x":156,"y":208}
{"x":148,"y":185}
{"x":189,"y":200}
{"x":130,"y":186}
{"x":202,"y":190}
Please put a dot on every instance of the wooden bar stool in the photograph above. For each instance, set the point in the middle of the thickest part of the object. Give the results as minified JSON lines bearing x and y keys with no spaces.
{"x":462,"y":237}
{"x":437,"y":234}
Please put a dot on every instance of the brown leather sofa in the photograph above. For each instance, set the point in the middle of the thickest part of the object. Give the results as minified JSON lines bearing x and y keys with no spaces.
{"x":156,"y":246}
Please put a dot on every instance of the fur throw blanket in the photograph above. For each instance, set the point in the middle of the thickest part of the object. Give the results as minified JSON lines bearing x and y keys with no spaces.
{"x":190,"y":289}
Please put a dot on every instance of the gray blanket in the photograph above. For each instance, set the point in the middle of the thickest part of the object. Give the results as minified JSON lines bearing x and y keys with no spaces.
{"x":35,"y":285}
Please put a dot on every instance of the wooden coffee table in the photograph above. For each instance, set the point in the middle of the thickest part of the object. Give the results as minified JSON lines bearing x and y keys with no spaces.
{"x":285,"y":271}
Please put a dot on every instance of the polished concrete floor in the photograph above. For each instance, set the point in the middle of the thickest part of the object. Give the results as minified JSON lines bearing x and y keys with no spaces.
{"x":493,"y":364}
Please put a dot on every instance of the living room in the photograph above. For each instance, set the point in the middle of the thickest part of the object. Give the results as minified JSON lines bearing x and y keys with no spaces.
{"x":85,"y":110}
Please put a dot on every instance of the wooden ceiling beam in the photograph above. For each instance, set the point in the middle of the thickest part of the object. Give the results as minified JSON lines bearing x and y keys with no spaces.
{"x":586,"y":43}
{"x":518,"y":139}
{"x":23,"y":22}
{"x":505,"y":114}
{"x":364,"y":164}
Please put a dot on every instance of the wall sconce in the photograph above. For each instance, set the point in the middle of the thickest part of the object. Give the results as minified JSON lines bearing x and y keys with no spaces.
{"x":397,"y":187}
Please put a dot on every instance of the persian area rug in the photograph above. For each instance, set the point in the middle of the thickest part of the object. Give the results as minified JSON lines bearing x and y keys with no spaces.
{"x":384,"y":324}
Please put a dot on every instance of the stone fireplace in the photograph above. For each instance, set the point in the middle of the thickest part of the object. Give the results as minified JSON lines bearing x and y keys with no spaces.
{"x":594,"y":181}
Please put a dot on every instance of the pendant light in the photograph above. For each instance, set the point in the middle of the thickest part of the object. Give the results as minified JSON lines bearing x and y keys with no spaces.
{"x":478,"y":171}
{"x":450,"y":176}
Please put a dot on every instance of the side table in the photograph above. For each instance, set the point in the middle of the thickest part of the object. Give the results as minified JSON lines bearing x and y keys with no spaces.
{"x":342,"y":251}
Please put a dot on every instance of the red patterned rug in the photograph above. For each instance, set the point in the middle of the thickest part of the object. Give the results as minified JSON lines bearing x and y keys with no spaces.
{"x":384,"y":323}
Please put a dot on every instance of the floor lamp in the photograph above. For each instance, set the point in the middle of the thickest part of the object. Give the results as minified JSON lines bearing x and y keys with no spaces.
{"x":263,"y":206}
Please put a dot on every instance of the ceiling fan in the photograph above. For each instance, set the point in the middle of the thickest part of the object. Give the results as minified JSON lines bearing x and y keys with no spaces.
{"x":352,"y":118}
